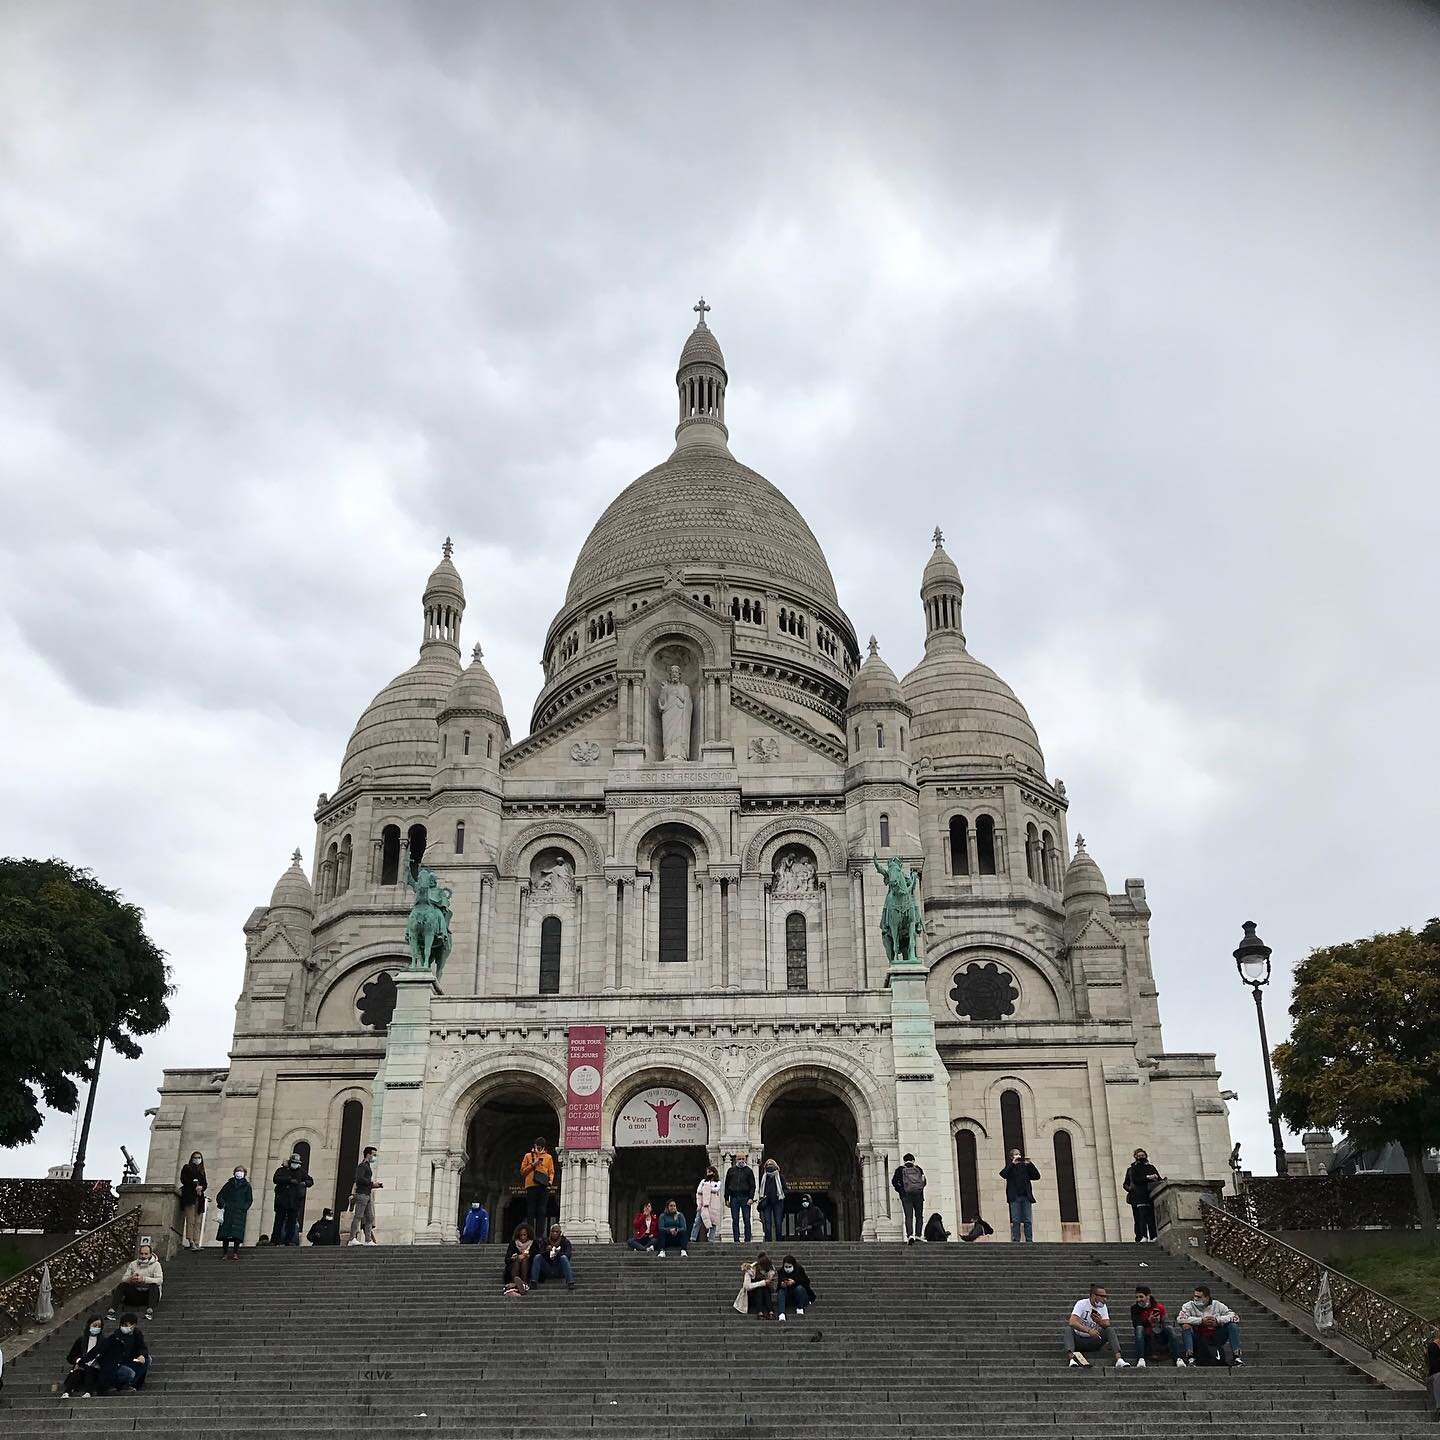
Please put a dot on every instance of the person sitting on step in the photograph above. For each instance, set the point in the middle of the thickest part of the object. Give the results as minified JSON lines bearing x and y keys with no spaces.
{"x":644,"y":1230}
{"x":1432,"y":1364}
{"x":795,"y":1288}
{"x":124,"y":1359}
{"x":673,"y":1231}
{"x":980,"y":1230}
{"x":84,"y":1360}
{"x":518,"y":1259}
{"x":553,"y":1258}
{"x":1089,"y":1328}
{"x":141,"y":1285}
{"x":1215,"y":1323}
{"x":1152,"y":1327}
{"x":758,"y":1284}
{"x":935,"y":1231}
{"x":325,"y":1231}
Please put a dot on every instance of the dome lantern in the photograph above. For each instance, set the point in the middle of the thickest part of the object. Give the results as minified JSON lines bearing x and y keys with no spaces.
{"x":700,"y":381}
{"x":443,"y":603}
{"x":942,"y":594}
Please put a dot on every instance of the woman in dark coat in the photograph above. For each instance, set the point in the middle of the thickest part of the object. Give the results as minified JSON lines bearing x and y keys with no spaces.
{"x":795,"y":1289}
{"x":193,"y":1187}
{"x":84,"y":1359}
{"x":235,"y":1199}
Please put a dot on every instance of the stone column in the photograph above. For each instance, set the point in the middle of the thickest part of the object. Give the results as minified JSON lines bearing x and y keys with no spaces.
{"x":600,"y":1196}
{"x":400,"y":1207}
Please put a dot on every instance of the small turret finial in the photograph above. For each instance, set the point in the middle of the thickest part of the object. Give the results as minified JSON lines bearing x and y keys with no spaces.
{"x":938,"y":537}
{"x":1079,"y":844}
{"x":447,"y":549}
{"x":477,"y":653}
{"x":874,"y":646}
{"x":295,"y":858}
{"x":701,"y":308}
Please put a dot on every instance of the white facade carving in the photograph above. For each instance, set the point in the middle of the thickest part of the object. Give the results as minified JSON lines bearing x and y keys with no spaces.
{"x":681,"y":851}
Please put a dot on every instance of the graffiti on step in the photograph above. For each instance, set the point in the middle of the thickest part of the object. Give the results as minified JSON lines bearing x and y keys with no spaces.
{"x":377,"y":1374}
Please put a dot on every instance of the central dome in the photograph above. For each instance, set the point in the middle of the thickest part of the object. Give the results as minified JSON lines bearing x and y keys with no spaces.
{"x":702,"y":510}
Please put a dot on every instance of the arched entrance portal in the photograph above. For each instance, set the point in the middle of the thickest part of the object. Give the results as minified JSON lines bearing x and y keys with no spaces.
{"x":660,"y":1136}
{"x":812,"y":1136}
{"x":501,"y":1130}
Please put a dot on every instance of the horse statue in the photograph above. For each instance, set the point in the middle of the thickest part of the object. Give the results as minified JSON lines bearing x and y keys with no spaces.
{"x":900,"y":922}
{"x":427,"y":931}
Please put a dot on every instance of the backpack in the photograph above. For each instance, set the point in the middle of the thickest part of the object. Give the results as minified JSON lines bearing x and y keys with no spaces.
{"x":912,"y":1180}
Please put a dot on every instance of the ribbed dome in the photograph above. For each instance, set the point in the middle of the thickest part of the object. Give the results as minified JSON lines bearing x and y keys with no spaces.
{"x":963,"y":710}
{"x":292,"y":890}
{"x":702,"y":348}
{"x":1083,"y":879}
{"x":445,"y":579}
{"x":940,"y":567}
{"x":475,"y":690}
{"x":874,"y":683}
{"x":700,"y":510}
{"x":397,"y":734}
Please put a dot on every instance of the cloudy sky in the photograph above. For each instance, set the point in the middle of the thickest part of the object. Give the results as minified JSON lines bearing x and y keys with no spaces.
{"x":1138,"y":301}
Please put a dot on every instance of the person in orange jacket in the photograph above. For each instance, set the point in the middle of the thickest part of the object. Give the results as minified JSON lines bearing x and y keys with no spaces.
{"x":537,"y":1170}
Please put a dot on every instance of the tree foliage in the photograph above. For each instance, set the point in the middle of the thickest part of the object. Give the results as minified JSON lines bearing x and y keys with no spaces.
{"x":1364,"y":1051}
{"x":75,"y":965}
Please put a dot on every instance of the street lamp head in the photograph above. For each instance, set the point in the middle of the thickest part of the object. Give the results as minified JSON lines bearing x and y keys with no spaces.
{"x":1252,"y":958}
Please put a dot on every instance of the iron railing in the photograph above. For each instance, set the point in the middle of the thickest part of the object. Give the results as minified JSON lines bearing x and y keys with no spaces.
{"x":1363,"y":1316}
{"x":73,"y":1268}
{"x":1330,"y":1202}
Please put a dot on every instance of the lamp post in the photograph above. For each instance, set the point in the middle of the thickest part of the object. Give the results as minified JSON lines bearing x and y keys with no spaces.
{"x":1252,"y":960}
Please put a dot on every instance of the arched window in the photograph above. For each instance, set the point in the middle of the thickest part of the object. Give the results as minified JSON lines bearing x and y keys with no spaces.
{"x":390,"y":855}
{"x":490,"y":745}
{"x":444,"y":744}
{"x":1032,"y":853}
{"x":416,"y":840}
{"x":1065,"y":1179}
{"x":342,"y":880}
{"x":465,"y":744}
{"x":302,"y":1149}
{"x":352,"y":1117}
{"x":459,"y":837}
{"x":550,"y":956}
{"x":797,"y":963}
{"x":328,"y":872}
{"x":985,"y":844}
{"x":857,"y":737}
{"x":879,"y":737}
{"x":1012,"y":1123}
{"x":674,"y":872}
{"x":967,"y":1159}
{"x":1047,"y":859}
{"x":959,"y":846}
{"x":884,"y":832}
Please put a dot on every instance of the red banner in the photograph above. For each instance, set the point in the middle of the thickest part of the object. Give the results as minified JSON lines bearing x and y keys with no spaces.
{"x":584,"y":1087}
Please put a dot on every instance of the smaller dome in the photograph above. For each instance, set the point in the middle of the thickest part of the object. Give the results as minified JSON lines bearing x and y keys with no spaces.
{"x":875,"y":684}
{"x":445,"y":578}
{"x":292,"y":890}
{"x":702,"y":348}
{"x":940,"y":568}
{"x":475,"y":690}
{"x":1082,"y":876}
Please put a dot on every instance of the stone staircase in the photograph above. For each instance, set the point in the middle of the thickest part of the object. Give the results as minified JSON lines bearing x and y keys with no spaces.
{"x":953,"y":1341}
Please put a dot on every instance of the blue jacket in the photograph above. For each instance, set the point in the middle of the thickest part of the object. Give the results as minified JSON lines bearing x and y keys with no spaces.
{"x":673,"y":1227}
{"x":476,"y":1229}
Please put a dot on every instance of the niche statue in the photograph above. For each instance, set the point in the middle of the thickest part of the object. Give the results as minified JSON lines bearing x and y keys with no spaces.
{"x":674,"y":717}
{"x":428,"y":928}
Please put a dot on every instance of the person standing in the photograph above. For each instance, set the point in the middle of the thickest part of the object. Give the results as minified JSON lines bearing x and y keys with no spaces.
{"x":326,"y":1230}
{"x":235,"y":1199}
{"x":1088,"y":1328}
{"x":1138,"y":1179}
{"x":908,"y":1182}
{"x":192,"y":1199}
{"x":537,"y":1170}
{"x":291,"y":1181}
{"x":672,"y":1231}
{"x":1019,"y":1177}
{"x":362,"y":1210}
{"x":772,"y":1200}
{"x":553,"y":1258}
{"x":476,"y":1229}
{"x":740,"y":1195}
{"x":709,"y":1207}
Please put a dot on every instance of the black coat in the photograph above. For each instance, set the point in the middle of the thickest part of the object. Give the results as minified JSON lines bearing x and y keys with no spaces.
{"x":120,"y":1349}
{"x":739,"y":1183}
{"x":1017,"y":1180}
{"x":290,"y":1187}
{"x":194,"y":1187}
{"x":324,"y":1232}
{"x":1138,"y":1179}
{"x":798,"y":1275}
{"x":80,"y":1354}
{"x":512,"y":1254}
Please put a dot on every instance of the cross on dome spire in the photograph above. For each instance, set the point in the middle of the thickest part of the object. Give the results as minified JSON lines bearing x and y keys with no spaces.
{"x":701,"y":308}
{"x":874,"y":646}
{"x":295,"y":858}
{"x":477,"y":653}
{"x":447,"y":549}
{"x":939,"y":537}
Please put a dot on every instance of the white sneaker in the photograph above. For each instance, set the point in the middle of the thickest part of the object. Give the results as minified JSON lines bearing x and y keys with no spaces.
{"x":1179,"y":1364}
{"x":1074,"y":1362}
{"x":684,"y":1254}
{"x":659,"y":1254}
{"x":1140,"y":1364}
{"x":1123,"y":1364}
{"x":782,"y":1319}
{"x":1239,"y":1361}
{"x":801,"y":1310}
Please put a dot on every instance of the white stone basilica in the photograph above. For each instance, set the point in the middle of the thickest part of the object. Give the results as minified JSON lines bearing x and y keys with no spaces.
{"x":680,"y":852}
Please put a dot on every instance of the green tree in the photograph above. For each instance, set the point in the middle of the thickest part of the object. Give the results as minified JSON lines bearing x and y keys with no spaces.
{"x":77,"y":972}
{"x":1364,"y":1050}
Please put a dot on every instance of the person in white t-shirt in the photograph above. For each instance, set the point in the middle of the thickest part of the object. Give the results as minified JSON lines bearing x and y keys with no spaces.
{"x":1089,"y":1328}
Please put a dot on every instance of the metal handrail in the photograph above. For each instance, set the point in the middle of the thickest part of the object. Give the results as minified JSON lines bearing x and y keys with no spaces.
{"x":1387,"y":1330}
{"x":73,"y":1268}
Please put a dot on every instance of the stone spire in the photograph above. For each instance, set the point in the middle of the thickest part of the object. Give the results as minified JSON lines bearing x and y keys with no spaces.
{"x":700,"y":381}
{"x":444,"y":604}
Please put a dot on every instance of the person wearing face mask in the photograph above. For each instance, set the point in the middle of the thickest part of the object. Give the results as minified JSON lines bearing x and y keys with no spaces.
{"x":1019,"y":1177}
{"x":795,"y":1288}
{"x":141,"y":1285}
{"x":291,"y":1181}
{"x":84,"y":1360}
{"x":192,"y":1199}
{"x":1138,"y":1179}
{"x":772,"y":1200}
{"x":809,"y":1222}
{"x":235,"y":1199}
{"x":326,"y":1230}
{"x":124,"y":1359}
{"x":709,"y":1206}
{"x":362,"y":1213}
